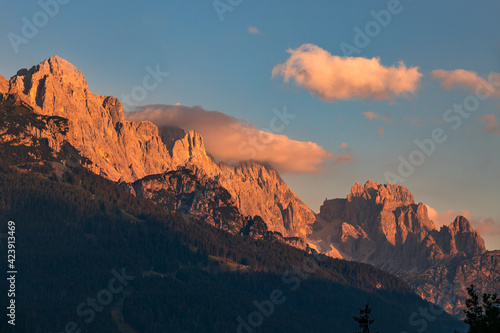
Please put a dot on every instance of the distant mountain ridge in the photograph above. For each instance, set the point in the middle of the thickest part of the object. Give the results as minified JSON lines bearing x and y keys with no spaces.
{"x":128,"y":151}
{"x":48,"y":108}
{"x":383,"y":226}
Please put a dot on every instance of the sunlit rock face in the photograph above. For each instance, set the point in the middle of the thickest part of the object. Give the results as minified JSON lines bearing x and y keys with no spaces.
{"x":382,"y":225}
{"x":128,"y":151}
{"x":118,"y":149}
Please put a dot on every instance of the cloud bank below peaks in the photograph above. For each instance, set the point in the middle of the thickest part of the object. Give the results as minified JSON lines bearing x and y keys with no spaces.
{"x":231,"y":140}
{"x":333,"y":78}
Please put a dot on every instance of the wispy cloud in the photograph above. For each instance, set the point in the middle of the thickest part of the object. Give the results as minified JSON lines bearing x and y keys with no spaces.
{"x":491,"y":124}
{"x":253,"y":30}
{"x":371,"y":115}
{"x":447,"y":218}
{"x":332,"y":77}
{"x":386,"y":118}
{"x":417,"y":122}
{"x":231,"y":139}
{"x":484,"y":225}
{"x":469,"y":80}
{"x":381,"y":132}
{"x":343,"y":154}
{"x":344,"y":146}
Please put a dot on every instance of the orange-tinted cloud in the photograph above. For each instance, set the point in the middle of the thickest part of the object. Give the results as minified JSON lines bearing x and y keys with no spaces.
{"x":344,"y":146}
{"x":491,"y":124}
{"x":371,"y":115}
{"x":381,"y":132}
{"x":386,"y":118}
{"x":343,"y":154}
{"x":254,"y":30}
{"x":230,"y":139}
{"x":469,"y":80}
{"x":486,"y":226}
{"x":332,"y":77}
{"x":446,"y":218}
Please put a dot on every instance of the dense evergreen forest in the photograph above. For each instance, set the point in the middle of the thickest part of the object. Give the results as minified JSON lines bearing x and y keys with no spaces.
{"x":76,"y":232}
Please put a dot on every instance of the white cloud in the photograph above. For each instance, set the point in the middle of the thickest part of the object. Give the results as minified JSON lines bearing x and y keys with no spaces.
{"x":332,"y":77}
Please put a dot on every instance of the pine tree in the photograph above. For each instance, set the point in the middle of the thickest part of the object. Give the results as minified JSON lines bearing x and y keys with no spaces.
{"x":483,"y":318}
{"x":364,"y":320}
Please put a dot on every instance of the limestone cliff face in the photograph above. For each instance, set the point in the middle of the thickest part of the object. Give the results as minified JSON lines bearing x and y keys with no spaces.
{"x":196,"y":195}
{"x":128,"y":151}
{"x":256,"y":190}
{"x":382,"y":225}
{"x":392,"y":206}
{"x":4,"y":85}
{"x":459,"y":237}
{"x":259,"y":190}
{"x":118,"y":149}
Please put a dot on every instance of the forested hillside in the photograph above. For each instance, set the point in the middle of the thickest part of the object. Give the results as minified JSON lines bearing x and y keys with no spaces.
{"x":74,"y":228}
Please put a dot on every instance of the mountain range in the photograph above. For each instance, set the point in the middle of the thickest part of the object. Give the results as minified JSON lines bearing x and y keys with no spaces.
{"x":49,"y":114}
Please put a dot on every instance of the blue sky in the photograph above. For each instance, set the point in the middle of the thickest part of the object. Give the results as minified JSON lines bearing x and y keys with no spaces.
{"x":220,"y":65}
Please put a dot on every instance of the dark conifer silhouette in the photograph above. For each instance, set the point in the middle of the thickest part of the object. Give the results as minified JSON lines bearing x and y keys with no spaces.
{"x":364,"y":320}
{"x":485,"y":317}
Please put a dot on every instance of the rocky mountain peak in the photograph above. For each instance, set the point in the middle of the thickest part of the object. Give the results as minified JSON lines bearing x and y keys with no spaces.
{"x":190,"y":151}
{"x":459,"y":236}
{"x":130,"y":151}
{"x":62,"y":69}
{"x":382,"y":225}
{"x":118,"y":149}
{"x":38,"y":83}
{"x":461,"y":224}
{"x":382,"y":194}
{"x":192,"y":143}
{"x":55,"y":88}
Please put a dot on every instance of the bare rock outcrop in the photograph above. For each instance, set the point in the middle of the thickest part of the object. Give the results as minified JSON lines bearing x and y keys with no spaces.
{"x":460,"y":237}
{"x":445,"y":284}
{"x":118,"y":149}
{"x":382,"y":225}
{"x":4,"y":85}
{"x":259,"y":190}
{"x":128,"y":151}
